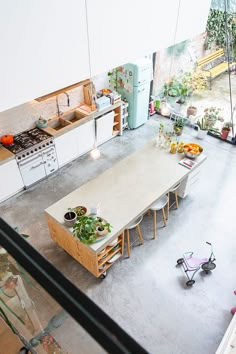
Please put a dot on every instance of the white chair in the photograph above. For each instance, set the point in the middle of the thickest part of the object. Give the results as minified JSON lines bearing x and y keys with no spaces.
{"x":132,"y":225}
{"x":159,"y":204}
{"x":173,"y":190}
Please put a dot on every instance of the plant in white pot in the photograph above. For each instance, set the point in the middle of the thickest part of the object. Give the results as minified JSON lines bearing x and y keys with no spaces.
{"x":203,"y":128}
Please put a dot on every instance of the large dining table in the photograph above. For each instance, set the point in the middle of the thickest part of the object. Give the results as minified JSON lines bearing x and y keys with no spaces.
{"x":121,"y":193}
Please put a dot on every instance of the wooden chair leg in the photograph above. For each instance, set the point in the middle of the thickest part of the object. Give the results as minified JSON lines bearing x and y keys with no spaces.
{"x":163,"y":216}
{"x":176,"y":200}
{"x":140,"y":234}
{"x":128,"y":241}
{"x":168,"y":206}
{"x":154,"y":224}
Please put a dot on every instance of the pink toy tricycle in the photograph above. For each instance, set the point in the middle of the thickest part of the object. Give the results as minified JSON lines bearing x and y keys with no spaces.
{"x":233,"y":310}
{"x":192,"y":264}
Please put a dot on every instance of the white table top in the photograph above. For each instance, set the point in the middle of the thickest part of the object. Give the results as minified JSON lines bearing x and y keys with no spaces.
{"x":126,"y":190}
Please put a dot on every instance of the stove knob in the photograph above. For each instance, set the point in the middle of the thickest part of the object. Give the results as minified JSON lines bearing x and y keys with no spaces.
{"x":23,"y":155}
{"x":27,"y":153}
{"x":39,"y":147}
{"x":35,"y":149}
{"x":51,"y":142}
{"x":47,"y":143}
{"x":44,"y":145}
{"x":32,"y":151}
{"x":19,"y":157}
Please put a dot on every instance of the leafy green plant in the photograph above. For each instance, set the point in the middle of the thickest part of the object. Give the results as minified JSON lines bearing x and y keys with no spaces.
{"x":113,"y":78}
{"x":219,"y":25}
{"x":86,"y":226}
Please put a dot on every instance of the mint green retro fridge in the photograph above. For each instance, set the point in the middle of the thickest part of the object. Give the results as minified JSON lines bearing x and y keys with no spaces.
{"x":133,"y":83}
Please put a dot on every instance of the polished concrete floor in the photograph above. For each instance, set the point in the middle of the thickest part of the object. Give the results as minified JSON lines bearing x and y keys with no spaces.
{"x":146,"y":294}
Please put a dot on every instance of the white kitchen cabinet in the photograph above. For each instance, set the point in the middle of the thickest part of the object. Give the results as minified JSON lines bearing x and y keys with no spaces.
{"x":66,"y":148}
{"x":104,"y":127}
{"x":189,"y":183}
{"x":10,"y":180}
{"x":85,"y":137}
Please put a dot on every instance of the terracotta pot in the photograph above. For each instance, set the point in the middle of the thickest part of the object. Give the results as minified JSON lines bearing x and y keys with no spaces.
{"x":191,"y":111}
{"x":224,"y":134}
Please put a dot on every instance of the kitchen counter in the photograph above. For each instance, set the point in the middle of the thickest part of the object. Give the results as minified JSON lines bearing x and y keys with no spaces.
{"x":5,"y":155}
{"x":87,"y":118}
{"x":123,"y":192}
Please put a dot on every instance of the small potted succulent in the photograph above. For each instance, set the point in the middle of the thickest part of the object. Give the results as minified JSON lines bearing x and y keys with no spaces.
{"x":225,"y":130}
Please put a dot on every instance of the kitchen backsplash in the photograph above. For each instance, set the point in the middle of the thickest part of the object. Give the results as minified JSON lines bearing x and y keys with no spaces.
{"x":23,"y":117}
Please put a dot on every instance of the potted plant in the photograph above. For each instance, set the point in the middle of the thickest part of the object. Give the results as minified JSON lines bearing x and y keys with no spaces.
{"x":179,"y":125}
{"x":70,"y":218}
{"x":86,"y":228}
{"x":191,"y":110}
{"x":203,"y":128}
{"x":80,"y":210}
{"x":103,"y":227}
{"x":225,"y":130}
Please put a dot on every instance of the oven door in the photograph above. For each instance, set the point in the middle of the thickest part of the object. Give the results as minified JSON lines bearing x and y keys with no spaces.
{"x":32,"y":170}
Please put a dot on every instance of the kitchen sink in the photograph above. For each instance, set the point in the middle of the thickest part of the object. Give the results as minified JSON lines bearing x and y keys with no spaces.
{"x":58,"y":124}
{"x":73,"y":116}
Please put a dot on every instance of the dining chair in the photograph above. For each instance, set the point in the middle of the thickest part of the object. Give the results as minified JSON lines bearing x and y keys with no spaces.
{"x":174,"y":191}
{"x":159,"y":204}
{"x":133,"y":225}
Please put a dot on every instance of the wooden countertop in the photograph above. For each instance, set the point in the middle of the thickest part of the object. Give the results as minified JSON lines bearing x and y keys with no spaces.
{"x":5,"y":155}
{"x":67,"y":128}
{"x":126,"y":190}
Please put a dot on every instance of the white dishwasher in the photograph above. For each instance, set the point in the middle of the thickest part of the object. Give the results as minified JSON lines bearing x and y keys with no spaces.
{"x":104,"y":127}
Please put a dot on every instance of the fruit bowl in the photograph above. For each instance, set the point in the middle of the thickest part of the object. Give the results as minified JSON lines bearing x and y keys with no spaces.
{"x":192,"y":150}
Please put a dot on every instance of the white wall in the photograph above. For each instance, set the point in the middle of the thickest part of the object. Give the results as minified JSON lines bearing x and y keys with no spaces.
{"x":43,"y":48}
{"x":192,"y":19}
{"x":122,"y":31}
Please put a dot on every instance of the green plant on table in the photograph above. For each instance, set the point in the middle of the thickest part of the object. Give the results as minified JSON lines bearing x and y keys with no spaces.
{"x":85,"y":228}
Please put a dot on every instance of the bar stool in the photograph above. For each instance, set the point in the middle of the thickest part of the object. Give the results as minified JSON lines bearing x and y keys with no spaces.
{"x":132,"y":225}
{"x":173,"y":190}
{"x":159,"y":204}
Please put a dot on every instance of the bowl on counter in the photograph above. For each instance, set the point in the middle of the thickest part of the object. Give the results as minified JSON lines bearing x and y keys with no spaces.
{"x":192,"y":150}
{"x":41,"y":123}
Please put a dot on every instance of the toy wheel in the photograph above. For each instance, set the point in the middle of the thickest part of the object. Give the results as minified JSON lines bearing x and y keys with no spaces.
{"x":208,"y":266}
{"x":103,"y":275}
{"x":180,"y":261}
{"x":190,"y":282}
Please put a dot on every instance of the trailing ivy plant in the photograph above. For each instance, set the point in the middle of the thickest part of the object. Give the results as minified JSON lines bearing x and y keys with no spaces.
{"x":219,"y":25}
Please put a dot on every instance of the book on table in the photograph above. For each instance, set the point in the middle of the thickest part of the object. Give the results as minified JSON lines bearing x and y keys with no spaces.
{"x":187,"y":163}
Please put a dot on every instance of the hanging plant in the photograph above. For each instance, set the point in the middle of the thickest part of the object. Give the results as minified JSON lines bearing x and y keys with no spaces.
{"x":219,"y":25}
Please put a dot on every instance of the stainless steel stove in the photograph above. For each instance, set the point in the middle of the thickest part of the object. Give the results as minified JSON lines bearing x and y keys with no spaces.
{"x":35,"y":154}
